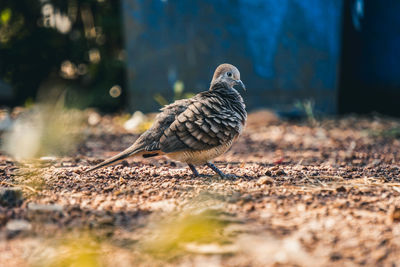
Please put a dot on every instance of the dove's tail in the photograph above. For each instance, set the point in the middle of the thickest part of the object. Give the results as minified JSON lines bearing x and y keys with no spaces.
{"x":131,"y":151}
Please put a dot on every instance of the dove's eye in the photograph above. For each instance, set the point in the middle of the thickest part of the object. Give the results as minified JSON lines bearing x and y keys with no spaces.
{"x":229,"y":74}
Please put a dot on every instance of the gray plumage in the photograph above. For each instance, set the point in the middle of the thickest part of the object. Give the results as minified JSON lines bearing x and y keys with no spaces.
{"x":195,"y":130}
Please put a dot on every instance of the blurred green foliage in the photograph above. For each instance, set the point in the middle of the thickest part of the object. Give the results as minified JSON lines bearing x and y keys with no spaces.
{"x":70,"y":45}
{"x":393,"y":132}
{"x":308,"y":108}
{"x":179,"y":93}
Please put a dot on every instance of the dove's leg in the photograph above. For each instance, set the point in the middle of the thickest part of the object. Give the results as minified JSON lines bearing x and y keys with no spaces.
{"x":195,"y":172}
{"x":217,"y":171}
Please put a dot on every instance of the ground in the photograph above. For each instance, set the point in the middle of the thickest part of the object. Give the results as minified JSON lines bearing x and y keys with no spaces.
{"x":307,"y":193}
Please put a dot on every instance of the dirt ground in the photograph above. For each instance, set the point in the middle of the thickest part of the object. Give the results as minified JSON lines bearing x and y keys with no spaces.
{"x":325,"y":193}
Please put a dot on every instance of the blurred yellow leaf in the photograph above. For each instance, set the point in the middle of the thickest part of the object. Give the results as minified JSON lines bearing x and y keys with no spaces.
{"x":160,"y":100}
{"x":5,"y":15}
{"x":178,"y":88}
{"x":78,"y":252}
{"x":192,"y":227}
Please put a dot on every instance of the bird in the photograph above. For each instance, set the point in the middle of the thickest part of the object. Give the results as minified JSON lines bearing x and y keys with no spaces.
{"x":195,"y":130}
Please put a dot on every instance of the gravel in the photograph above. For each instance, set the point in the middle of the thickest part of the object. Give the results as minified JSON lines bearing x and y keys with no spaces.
{"x":306,"y":195}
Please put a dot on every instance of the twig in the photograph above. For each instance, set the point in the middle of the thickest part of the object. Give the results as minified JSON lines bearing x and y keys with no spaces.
{"x":24,"y":186}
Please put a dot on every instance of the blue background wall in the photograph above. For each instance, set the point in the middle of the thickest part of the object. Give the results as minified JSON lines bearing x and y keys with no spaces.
{"x":286,"y":50}
{"x":370,"y":64}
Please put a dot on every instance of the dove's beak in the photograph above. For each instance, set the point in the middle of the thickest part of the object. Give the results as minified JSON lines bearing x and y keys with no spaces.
{"x":241,"y":84}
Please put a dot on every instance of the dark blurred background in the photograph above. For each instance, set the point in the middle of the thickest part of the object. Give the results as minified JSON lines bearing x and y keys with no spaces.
{"x":70,"y":45}
{"x":337,"y":56}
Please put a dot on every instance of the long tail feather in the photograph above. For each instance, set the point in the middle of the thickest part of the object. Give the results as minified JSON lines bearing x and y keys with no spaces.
{"x":123,"y":155}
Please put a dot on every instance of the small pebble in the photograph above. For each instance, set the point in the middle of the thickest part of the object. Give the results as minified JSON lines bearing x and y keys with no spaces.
{"x":18,"y":226}
{"x":265,"y":180}
{"x":394,"y":214}
{"x":44,"y":207}
{"x":341,"y":189}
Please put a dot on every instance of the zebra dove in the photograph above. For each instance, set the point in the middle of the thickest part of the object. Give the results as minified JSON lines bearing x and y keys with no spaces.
{"x":197,"y":129}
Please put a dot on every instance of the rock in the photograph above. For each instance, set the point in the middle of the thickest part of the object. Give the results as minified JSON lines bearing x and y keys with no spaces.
{"x":94,"y":118}
{"x":18,"y":226}
{"x":10,"y":196}
{"x":265,"y":180}
{"x":48,"y":158}
{"x":280,"y":172}
{"x":268,"y":173}
{"x":45,"y":212}
{"x":210,"y":248}
{"x":106,"y":220}
{"x":341,"y":189}
{"x":134,"y":122}
{"x":335,"y":256}
{"x":45,"y":207}
{"x":394,"y":214}
{"x":248,"y":207}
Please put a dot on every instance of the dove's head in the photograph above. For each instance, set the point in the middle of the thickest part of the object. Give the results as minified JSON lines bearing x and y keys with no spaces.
{"x":227,"y":74}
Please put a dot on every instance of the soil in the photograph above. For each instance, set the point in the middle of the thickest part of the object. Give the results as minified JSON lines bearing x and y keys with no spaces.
{"x":307,"y":193}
